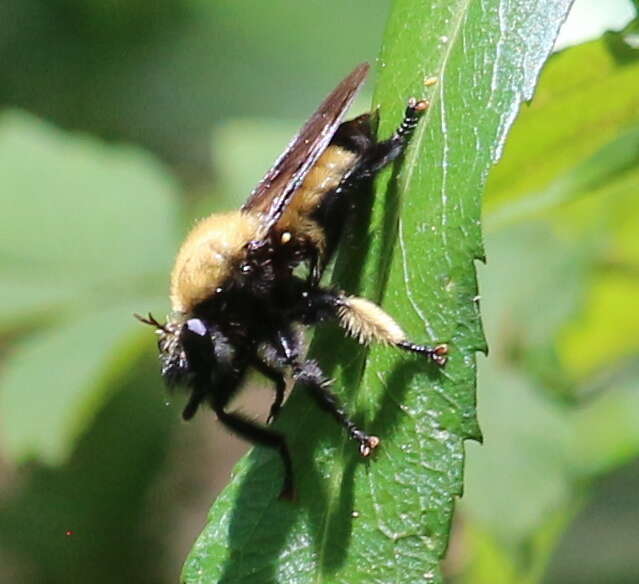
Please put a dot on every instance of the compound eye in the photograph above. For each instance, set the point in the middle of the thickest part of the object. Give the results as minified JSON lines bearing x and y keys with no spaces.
{"x":195,"y":325}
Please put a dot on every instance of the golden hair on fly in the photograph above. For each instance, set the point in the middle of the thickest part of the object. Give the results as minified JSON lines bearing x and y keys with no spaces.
{"x":216,"y":246}
{"x":237,"y":298}
{"x":209,"y":256}
{"x":367,"y":322}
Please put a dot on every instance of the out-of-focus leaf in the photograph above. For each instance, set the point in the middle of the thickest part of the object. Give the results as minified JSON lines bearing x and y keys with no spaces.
{"x":87,"y":520}
{"x":489,"y":561}
{"x":606,"y":430}
{"x":160,"y":72}
{"x":388,"y":521}
{"x":599,"y":149}
{"x":244,"y":150}
{"x":608,"y":166}
{"x":54,"y":382}
{"x":525,"y":465}
{"x":559,"y":306}
{"x":600,"y":544}
{"x":88,"y":234}
{"x":520,"y":284}
{"x":576,"y":122}
{"x":605,"y":331}
{"x":83,"y":223}
{"x":587,"y":99}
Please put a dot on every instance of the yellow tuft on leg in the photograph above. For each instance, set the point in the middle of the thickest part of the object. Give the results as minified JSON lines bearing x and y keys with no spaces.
{"x":367,"y":322}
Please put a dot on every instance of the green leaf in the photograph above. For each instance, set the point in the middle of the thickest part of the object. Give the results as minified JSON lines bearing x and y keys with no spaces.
{"x":54,"y":382}
{"x":244,"y":149}
{"x":590,"y":343}
{"x":87,"y":520}
{"x":523,"y":479}
{"x":387,"y":520}
{"x":181,"y":58}
{"x":491,"y":562}
{"x":526,"y":471}
{"x":580,"y":170}
{"x":560,"y":295}
{"x":611,"y":164}
{"x":82,"y":222}
{"x":587,"y":98}
{"x":606,"y":430}
{"x":88,"y":230}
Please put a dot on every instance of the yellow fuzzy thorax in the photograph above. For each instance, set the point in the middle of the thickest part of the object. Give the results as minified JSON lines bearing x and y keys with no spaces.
{"x":208,"y":256}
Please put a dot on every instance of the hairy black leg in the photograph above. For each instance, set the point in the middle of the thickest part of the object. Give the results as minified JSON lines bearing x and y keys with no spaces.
{"x":414,"y":110}
{"x":438,"y":354}
{"x":256,"y":434}
{"x":316,"y":267}
{"x":192,"y":405}
{"x":277,"y":377}
{"x":310,"y":375}
{"x":385,"y":152}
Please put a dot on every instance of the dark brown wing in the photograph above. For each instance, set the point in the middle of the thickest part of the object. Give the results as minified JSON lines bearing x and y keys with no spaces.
{"x":273,"y":193}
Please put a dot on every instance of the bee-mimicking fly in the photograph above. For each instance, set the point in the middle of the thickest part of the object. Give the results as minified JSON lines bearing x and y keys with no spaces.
{"x":236,"y":300}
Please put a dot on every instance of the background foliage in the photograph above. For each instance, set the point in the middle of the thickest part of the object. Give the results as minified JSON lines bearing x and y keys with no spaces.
{"x":104,"y":157}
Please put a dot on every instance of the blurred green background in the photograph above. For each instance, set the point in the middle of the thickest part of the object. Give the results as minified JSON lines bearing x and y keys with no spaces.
{"x":121,"y":121}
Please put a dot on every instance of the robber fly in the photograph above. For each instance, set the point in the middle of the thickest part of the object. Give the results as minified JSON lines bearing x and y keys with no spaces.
{"x":237,"y":300}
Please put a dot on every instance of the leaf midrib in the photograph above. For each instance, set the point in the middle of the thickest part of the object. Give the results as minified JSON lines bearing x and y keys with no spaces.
{"x":411,"y":160}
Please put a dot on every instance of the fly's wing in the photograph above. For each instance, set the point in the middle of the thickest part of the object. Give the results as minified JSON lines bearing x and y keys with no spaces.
{"x":273,"y":193}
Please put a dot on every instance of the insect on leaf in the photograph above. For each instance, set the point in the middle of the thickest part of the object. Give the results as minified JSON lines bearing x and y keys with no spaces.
{"x":388,"y":519}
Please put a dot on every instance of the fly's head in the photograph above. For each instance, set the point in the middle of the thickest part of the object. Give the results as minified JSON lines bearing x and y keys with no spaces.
{"x":190,"y":349}
{"x":173,"y":359}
